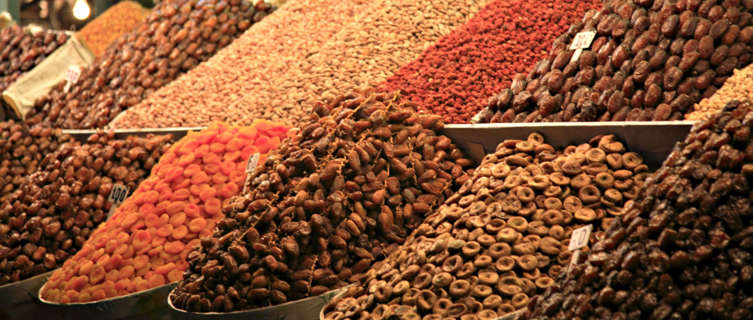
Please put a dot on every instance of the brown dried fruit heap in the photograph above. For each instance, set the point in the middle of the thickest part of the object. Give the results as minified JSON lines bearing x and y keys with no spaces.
{"x":683,"y":251}
{"x":176,"y":36}
{"x":22,"y":150}
{"x":363,"y":172}
{"x":50,"y":216}
{"x":650,"y":60}
{"x":502,"y":238}
{"x":21,"y":52}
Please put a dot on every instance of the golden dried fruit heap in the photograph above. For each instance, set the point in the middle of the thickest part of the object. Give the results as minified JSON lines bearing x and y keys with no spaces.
{"x":683,"y":250}
{"x":119,"y":19}
{"x":145,"y":242}
{"x":54,"y":209}
{"x":321,"y":210}
{"x":503,"y":237}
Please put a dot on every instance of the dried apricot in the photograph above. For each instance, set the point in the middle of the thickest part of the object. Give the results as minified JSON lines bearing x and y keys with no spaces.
{"x":180,"y":232}
{"x":197,"y":224}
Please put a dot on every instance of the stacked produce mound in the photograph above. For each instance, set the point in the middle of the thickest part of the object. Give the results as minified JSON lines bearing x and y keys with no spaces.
{"x":649,"y":60}
{"x":738,"y":87}
{"x":21,"y":52}
{"x":110,"y":25}
{"x":49,"y":216}
{"x":683,"y":250}
{"x":145,"y":242}
{"x":358,"y":52}
{"x":321,"y":210}
{"x":176,"y":36}
{"x":456,"y":76}
{"x":21,"y":152}
{"x":503,"y":237}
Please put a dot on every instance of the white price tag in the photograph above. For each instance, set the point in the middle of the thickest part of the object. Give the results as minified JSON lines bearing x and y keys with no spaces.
{"x":71,"y":76}
{"x":583,"y":40}
{"x":576,"y":55}
{"x":117,"y":196}
{"x":580,"y":237}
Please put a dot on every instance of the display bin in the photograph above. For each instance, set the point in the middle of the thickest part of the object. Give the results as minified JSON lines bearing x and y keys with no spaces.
{"x":304,"y":309}
{"x":147,"y":304}
{"x":18,"y":300}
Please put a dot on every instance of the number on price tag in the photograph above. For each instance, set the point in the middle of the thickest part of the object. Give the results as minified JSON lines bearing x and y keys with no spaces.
{"x":117,"y":196}
{"x":253,"y":161}
{"x":583,"y":40}
{"x":71,"y":76}
{"x":580,"y":237}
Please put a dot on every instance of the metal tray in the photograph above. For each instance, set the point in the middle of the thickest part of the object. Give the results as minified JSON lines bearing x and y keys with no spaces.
{"x":147,"y":304}
{"x":83,"y":134}
{"x":653,"y":140}
{"x":304,"y":309}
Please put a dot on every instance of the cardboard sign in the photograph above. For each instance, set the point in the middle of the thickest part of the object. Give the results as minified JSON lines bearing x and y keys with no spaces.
{"x":118,"y":194}
{"x":580,"y":237}
{"x":583,"y":40}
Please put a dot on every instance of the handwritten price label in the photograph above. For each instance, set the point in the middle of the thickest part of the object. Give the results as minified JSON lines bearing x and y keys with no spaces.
{"x":583,"y":40}
{"x":71,"y":76}
{"x":118,"y":194}
{"x":580,"y":237}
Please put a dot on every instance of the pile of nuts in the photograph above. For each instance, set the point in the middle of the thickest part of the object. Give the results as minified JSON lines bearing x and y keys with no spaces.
{"x":303,"y":26}
{"x":649,"y":60}
{"x":21,"y":52}
{"x":683,"y":250}
{"x":21,"y":152}
{"x":110,"y":25}
{"x":145,"y":242}
{"x":363,"y":173}
{"x":383,"y":36}
{"x":738,"y":87}
{"x":176,"y":36}
{"x":49,"y":217}
{"x":503,"y":238}
{"x":456,"y":76}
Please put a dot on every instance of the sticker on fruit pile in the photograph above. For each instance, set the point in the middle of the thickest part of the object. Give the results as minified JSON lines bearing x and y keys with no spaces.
{"x":145,"y":242}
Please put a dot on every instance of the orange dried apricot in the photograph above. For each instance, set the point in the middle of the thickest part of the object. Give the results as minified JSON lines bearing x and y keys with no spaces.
{"x":180,"y":232}
{"x":192,"y":210}
{"x":174,"y":247}
{"x":197,"y":224}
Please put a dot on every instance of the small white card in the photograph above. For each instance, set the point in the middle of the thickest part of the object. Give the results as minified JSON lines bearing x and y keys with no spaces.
{"x":118,"y":194}
{"x":583,"y":40}
{"x":580,"y":237}
{"x":71,"y":76}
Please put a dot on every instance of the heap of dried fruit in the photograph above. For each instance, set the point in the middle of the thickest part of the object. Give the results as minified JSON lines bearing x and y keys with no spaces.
{"x":21,"y":52}
{"x":145,"y":243}
{"x":176,"y":36}
{"x":683,"y":251}
{"x":321,"y":210}
{"x":365,"y":50}
{"x":55,"y":209}
{"x":110,"y":25}
{"x":739,"y":86}
{"x":650,"y":60}
{"x":456,"y":76}
{"x":22,"y":150}
{"x":503,"y":237}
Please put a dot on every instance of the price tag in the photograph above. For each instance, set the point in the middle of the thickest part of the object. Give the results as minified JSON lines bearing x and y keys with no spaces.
{"x":117,"y":196}
{"x":253,"y":161}
{"x":71,"y":76}
{"x":580,"y":237}
{"x":583,"y":40}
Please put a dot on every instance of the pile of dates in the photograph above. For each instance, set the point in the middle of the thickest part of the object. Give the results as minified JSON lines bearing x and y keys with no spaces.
{"x":503,"y":237}
{"x":361,"y":174}
{"x":176,"y":36}
{"x":683,"y":249}
{"x":20,"y":52}
{"x":649,"y":60}
{"x":52,"y":213}
{"x":22,"y":150}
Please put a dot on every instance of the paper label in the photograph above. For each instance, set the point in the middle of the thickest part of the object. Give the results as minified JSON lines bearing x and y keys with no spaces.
{"x":71,"y":76}
{"x":117,"y":196}
{"x":580,"y":237}
{"x":576,"y":55}
{"x":583,"y":40}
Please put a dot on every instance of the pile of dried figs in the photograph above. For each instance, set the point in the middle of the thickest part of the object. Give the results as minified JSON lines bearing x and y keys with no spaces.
{"x":503,"y":237}
{"x":683,"y":249}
